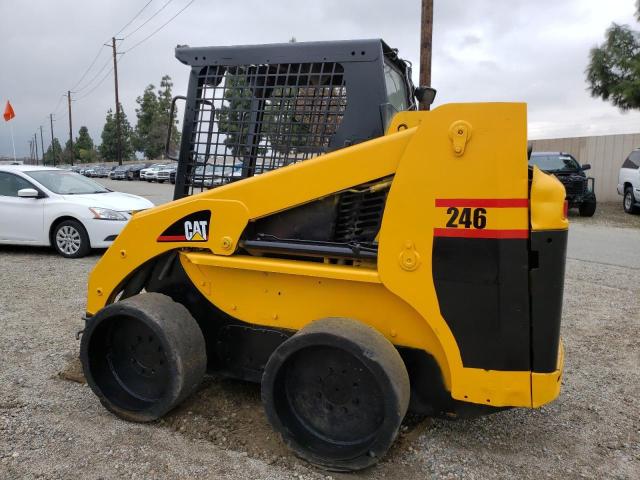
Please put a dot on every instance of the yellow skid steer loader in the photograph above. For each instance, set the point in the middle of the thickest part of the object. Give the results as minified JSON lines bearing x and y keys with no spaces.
{"x":357,"y":257}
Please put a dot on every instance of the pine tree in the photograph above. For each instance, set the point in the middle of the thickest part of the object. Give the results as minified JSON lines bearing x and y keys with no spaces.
{"x":165,"y":97}
{"x":53,"y":154}
{"x":108,"y":148}
{"x":235,"y":108}
{"x":84,"y":147}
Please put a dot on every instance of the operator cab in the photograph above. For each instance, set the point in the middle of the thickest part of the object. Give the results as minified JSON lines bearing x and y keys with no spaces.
{"x":253,"y":109}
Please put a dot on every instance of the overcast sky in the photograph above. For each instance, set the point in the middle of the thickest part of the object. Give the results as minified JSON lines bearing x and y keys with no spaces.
{"x":484,"y":50}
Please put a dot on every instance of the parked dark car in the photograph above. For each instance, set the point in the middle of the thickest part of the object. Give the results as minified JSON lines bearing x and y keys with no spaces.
{"x":133,"y":173}
{"x":579,"y":187}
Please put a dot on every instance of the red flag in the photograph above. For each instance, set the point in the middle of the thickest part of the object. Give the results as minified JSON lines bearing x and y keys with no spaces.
{"x":8,"y":112}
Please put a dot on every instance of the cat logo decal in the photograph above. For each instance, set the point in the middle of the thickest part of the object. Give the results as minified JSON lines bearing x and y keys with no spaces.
{"x":192,"y":228}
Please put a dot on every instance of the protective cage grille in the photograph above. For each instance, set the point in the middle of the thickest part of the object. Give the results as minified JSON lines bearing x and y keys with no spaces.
{"x":251,"y":119}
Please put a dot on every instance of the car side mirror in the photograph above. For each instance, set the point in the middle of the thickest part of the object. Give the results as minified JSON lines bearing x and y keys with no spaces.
{"x":425,"y":94}
{"x":28,"y":193}
{"x":586,"y":166}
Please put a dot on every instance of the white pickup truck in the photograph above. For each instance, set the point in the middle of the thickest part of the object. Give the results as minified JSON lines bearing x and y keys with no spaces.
{"x":629,"y":182}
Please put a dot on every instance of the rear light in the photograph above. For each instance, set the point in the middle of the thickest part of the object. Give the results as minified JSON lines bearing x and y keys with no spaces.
{"x":565,"y":210}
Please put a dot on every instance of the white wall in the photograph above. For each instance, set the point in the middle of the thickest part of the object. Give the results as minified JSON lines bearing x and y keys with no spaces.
{"x":605,"y":154}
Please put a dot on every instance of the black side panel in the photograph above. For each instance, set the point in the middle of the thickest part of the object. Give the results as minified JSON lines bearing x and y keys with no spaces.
{"x":482,"y":288}
{"x":549,"y":249}
{"x":311,"y":221}
{"x":234,"y":348}
{"x":244,"y":351}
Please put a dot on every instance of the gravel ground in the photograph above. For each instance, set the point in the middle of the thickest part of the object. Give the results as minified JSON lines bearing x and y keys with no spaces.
{"x":54,"y":427}
{"x":608,"y":214}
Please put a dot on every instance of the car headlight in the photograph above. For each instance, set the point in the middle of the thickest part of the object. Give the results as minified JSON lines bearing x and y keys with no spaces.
{"x":106,"y":214}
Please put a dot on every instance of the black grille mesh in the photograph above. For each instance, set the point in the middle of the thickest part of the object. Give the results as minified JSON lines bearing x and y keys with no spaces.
{"x":359,"y":216}
{"x":256,"y":118}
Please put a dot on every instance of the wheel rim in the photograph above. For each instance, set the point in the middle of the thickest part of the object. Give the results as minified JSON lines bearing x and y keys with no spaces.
{"x":332,"y":399}
{"x":68,"y":240}
{"x":627,"y":201}
{"x":137,"y":360}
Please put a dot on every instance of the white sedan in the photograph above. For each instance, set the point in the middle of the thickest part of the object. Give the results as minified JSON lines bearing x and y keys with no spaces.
{"x":49,"y":206}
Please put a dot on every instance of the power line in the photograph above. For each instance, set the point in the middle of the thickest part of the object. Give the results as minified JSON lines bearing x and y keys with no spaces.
{"x":161,"y":27}
{"x":94,"y":77}
{"x":95,"y":59}
{"x":150,"y":18}
{"x":134,"y":17}
{"x":96,"y":86}
{"x":55,"y":110}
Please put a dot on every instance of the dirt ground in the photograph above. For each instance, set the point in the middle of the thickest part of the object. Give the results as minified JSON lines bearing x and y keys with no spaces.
{"x":52,"y":426}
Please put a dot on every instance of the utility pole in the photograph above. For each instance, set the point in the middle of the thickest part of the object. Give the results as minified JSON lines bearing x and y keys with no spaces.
{"x":31,"y":150}
{"x":115,"y":76}
{"x":70,"y":128}
{"x":35,"y":142}
{"x":53,"y":152}
{"x":42,"y":144}
{"x":426,"y":34}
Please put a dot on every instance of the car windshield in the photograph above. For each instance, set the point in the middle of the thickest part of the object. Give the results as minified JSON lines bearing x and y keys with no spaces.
{"x":64,"y":182}
{"x":554,"y":162}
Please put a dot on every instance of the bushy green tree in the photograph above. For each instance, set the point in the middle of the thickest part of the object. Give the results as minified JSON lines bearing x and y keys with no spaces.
{"x":153,"y":120}
{"x":83,"y":147}
{"x":108,"y":147}
{"x":83,"y":140}
{"x":613,"y":73}
{"x":53,"y":154}
{"x":69,"y":156}
{"x":283,"y":122}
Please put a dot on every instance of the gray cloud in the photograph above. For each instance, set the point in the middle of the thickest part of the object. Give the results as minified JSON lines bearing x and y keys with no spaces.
{"x":484,"y":50}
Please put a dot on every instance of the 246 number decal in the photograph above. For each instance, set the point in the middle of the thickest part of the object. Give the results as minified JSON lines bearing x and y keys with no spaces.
{"x":467,"y":217}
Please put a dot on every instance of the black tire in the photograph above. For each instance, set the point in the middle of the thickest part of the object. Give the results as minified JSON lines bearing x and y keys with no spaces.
{"x":70,"y":239}
{"x":337,"y":392}
{"x":143,"y":356}
{"x":628,"y":201}
{"x":588,"y":207}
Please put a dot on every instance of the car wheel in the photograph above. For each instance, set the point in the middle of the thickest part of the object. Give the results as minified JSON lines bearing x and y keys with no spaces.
{"x":588,"y":207}
{"x":70,"y":239}
{"x":628,"y":201}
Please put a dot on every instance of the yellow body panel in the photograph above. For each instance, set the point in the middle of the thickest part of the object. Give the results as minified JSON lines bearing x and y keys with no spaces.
{"x":430,"y":160}
{"x":547,"y":202}
{"x":546,"y":386}
{"x":281,"y":297}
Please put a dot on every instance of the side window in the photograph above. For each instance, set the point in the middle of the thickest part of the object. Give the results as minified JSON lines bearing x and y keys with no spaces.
{"x":10,"y":184}
{"x":396,"y":88}
{"x":633,"y":160}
